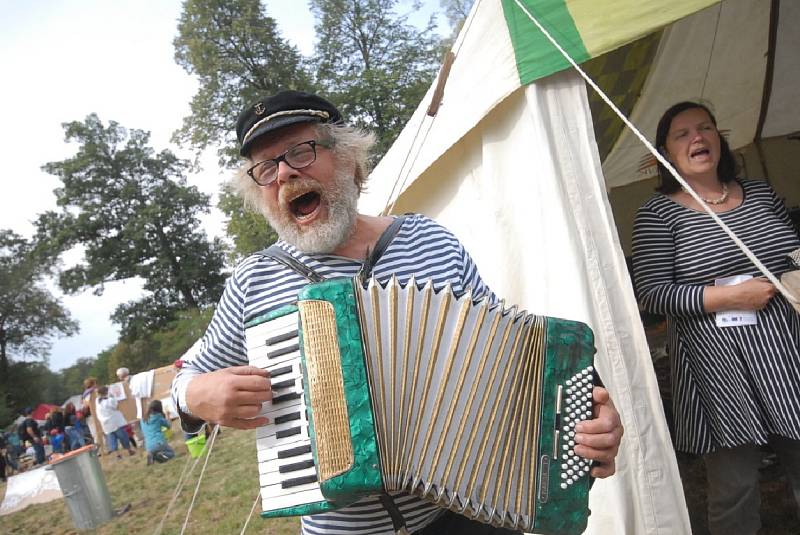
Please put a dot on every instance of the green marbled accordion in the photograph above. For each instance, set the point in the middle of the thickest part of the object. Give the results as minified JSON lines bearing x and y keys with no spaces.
{"x":464,"y":403}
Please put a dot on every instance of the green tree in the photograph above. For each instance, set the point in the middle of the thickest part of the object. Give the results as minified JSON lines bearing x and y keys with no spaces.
{"x":249,"y":230}
{"x":373,"y":64}
{"x":133,"y":214}
{"x":101,"y":369}
{"x":31,"y":383}
{"x":238,"y":55}
{"x":137,"y":355}
{"x":181,"y":334}
{"x":30,"y":316}
{"x":456,"y":11}
{"x":72,"y":376}
{"x":157,"y":348}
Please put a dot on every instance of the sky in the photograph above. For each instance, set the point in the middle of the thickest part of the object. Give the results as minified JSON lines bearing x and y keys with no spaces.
{"x":63,"y":60}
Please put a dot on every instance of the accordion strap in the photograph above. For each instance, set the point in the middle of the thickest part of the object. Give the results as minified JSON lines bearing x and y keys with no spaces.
{"x":380,"y":247}
{"x":282,"y":257}
{"x":398,"y":522}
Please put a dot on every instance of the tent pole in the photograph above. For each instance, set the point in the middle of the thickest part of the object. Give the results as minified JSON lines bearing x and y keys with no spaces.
{"x":767,"y":93}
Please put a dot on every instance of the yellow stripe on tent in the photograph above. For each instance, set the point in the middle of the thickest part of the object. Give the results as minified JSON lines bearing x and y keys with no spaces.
{"x":584,"y":28}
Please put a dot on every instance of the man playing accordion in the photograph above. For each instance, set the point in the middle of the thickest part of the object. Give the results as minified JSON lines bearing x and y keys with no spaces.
{"x":304,"y":171}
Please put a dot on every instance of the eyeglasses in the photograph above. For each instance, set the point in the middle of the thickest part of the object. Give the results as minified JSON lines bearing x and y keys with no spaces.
{"x":301,"y":155}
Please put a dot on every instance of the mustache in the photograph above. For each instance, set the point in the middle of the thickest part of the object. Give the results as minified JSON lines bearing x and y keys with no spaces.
{"x":292,"y":190}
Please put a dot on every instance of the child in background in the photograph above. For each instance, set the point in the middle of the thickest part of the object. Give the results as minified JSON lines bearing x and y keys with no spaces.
{"x":57,"y":441}
{"x":83,"y":429}
{"x":154,"y":441}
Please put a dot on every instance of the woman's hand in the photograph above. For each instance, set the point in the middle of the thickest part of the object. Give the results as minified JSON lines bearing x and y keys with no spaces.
{"x":598,"y":439}
{"x":230,"y":396}
{"x":753,"y":294}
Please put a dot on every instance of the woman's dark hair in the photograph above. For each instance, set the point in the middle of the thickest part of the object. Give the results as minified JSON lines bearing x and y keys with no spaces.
{"x":154,"y":408}
{"x":726,"y":168}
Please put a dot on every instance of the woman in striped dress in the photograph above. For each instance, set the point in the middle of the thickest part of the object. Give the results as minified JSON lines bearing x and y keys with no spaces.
{"x":736,"y":384}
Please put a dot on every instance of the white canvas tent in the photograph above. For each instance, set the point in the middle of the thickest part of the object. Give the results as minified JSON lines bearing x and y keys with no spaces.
{"x":512,"y":167}
{"x":720,"y":54}
{"x":740,"y":57}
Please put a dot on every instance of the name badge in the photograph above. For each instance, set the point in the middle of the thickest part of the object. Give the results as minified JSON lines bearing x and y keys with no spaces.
{"x":735,"y":318}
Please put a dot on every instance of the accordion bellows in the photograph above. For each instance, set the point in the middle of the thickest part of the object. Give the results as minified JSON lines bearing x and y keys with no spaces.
{"x":464,"y":403}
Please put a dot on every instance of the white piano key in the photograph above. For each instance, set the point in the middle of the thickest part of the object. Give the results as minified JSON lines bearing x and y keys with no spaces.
{"x":259,"y":357}
{"x":257,"y":336}
{"x":271,"y":454}
{"x":275,"y":478}
{"x":272,"y":442}
{"x":296,"y":389}
{"x":270,"y":492}
{"x":272,"y":429}
{"x":302,"y":496}
{"x":295,"y":386}
{"x":273,"y":412}
{"x":268,"y":410}
{"x":274,"y":464}
{"x":286,"y":370}
{"x":275,"y":430}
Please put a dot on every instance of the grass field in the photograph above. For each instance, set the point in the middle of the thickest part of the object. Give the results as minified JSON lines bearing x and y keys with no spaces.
{"x":230,"y":484}
{"x":223,"y":503}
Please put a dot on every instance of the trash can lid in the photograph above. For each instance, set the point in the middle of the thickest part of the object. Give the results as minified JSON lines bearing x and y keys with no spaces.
{"x":73,"y":453}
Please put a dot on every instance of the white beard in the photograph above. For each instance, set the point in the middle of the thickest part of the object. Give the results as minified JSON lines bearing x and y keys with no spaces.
{"x":322,"y":236}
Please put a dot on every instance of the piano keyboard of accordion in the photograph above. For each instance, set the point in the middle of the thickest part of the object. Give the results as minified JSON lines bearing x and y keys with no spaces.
{"x":465,"y":404}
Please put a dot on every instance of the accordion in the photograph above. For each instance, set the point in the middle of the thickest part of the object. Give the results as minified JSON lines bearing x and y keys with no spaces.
{"x":389,"y":387}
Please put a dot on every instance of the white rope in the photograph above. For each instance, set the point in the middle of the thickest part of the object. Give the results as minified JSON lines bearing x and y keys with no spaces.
{"x":200,"y":478}
{"x":178,"y":489}
{"x":398,"y":185}
{"x":664,"y":161}
{"x":258,"y":495}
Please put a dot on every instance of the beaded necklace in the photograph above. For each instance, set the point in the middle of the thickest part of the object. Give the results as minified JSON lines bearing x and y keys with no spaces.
{"x":719,"y":200}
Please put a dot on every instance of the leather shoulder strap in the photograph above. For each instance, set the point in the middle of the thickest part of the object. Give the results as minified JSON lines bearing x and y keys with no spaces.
{"x":279,"y":255}
{"x":380,"y":247}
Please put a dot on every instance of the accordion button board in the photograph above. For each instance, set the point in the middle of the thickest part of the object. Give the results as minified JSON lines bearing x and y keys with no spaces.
{"x":464,"y":403}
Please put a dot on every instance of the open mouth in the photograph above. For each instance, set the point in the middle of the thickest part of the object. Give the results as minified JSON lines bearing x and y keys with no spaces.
{"x":305,"y":206}
{"x":699,"y":152}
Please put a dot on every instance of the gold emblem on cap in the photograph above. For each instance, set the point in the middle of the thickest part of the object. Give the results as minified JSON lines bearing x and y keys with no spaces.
{"x":259,"y":108}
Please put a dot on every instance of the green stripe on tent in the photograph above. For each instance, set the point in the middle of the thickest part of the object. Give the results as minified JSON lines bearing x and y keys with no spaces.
{"x":535,"y":54}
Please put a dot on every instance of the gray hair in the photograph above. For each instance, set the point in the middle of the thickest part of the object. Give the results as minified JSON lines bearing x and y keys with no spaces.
{"x":350,"y":145}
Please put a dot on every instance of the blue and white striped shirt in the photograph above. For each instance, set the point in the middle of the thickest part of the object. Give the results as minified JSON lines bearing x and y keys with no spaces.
{"x":422,"y":249}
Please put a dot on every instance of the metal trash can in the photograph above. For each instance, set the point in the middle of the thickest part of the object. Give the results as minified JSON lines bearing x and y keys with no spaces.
{"x":84,"y":486}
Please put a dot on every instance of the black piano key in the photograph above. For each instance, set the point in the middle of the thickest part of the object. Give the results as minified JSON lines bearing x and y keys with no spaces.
{"x":287,"y":418}
{"x":288,"y":432}
{"x":297,"y":481}
{"x":302,"y":465}
{"x":284,"y":351}
{"x":294,"y":452}
{"x":283,"y":384}
{"x":281,"y":338}
{"x":286,"y":397}
{"x":280,"y":371}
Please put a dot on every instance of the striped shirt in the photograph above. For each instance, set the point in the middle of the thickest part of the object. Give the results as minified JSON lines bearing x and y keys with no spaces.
{"x":422,"y":249}
{"x":732,"y":385}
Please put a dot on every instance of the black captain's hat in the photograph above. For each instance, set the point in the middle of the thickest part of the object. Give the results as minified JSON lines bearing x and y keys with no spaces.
{"x":280,"y":110}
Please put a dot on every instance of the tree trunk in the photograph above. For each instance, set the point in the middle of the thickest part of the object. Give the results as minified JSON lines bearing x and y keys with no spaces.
{"x":175,"y":268}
